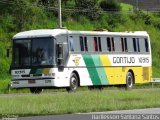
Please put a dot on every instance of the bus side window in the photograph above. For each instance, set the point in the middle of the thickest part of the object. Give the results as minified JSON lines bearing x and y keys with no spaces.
{"x":142,"y":45}
{"x":138,"y":44}
{"x":134,"y":45}
{"x":108,"y":44}
{"x":125,"y":43}
{"x":99,"y":43}
{"x":104,"y":46}
{"x":71,"y":43}
{"x":113,"y":46}
{"x":77,"y":47}
{"x":95,"y":44}
{"x":81,"y":43}
{"x":122,"y":44}
{"x":85,"y":43}
{"x":130,"y":46}
{"x":90,"y":43}
{"x":117,"y":44}
{"x":146,"y":45}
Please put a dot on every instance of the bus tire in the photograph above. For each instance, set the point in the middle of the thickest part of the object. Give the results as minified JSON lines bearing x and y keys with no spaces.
{"x":73,"y":83}
{"x":36,"y":90}
{"x":129,"y":81}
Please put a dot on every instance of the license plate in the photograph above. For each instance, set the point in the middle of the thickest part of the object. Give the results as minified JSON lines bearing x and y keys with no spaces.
{"x":31,"y":81}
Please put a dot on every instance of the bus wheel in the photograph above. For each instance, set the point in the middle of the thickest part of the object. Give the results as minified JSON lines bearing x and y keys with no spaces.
{"x":73,"y":83}
{"x":129,"y":81}
{"x":36,"y":90}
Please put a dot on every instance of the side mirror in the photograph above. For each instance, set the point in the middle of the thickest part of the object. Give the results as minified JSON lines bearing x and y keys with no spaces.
{"x":8,"y":53}
{"x":60,"y":57}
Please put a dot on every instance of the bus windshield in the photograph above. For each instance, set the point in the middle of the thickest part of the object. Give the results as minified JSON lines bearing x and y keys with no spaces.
{"x":33,"y":52}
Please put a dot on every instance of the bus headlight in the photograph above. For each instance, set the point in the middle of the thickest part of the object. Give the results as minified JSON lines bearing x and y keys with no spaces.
{"x":15,"y":76}
{"x":15,"y":82}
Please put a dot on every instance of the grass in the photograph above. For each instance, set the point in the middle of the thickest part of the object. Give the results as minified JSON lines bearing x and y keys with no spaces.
{"x":80,"y":102}
{"x":4,"y":85}
{"x":126,"y":7}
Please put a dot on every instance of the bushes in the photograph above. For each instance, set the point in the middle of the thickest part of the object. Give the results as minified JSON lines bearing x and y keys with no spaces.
{"x":110,"y":5}
{"x":156,"y":22}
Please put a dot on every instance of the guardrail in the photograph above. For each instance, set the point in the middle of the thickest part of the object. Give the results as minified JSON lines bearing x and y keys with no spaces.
{"x":155,"y":80}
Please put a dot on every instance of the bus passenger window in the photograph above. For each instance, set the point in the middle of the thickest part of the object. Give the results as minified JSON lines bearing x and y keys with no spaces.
{"x":99,"y":43}
{"x":138,"y":45}
{"x":122,"y":44}
{"x":146,"y":45}
{"x":85,"y":43}
{"x":109,"y":44}
{"x":81,"y":44}
{"x":71,"y":43}
{"x":113,"y":48}
{"x":125,"y":43}
{"x":134,"y":45}
{"x":104,"y":46}
{"x":95,"y":44}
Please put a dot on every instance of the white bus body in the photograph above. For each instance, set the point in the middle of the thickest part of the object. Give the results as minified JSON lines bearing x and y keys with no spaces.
{"x":80,"y":58}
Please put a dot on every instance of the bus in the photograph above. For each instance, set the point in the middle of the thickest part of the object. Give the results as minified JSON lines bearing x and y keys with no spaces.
{"x":61,"y":58}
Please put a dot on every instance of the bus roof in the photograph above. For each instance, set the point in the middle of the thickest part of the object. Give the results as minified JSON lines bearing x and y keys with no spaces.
{"x":55,"y":32}
{"x":127,"y":33}
{"x":40,"y":33}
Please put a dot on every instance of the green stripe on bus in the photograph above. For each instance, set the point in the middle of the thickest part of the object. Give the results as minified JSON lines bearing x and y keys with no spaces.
{"x":91,"y":69}
{"x":33,"y":71}
{"x":105,"y":79}
{"x":100,"y":69}
{"x":36,"y":71}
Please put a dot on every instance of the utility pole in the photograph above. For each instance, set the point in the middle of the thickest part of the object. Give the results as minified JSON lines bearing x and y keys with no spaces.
{"x":59,"y":14}
{"x":137,"y":5}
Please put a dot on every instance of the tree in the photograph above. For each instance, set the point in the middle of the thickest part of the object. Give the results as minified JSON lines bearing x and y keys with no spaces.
{"x":88,"y":8}
{"x":44,"y":2}
{"x":64,"y":2}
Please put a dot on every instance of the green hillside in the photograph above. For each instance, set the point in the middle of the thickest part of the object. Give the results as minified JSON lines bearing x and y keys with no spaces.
{"x":22,"y":15}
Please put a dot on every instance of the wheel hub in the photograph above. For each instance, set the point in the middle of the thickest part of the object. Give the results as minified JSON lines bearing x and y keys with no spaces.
{"x":73,"y":83}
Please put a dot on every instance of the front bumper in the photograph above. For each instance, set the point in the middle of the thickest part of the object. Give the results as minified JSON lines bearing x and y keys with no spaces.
{"x":39,"y":83}
{"x":32,"y":83}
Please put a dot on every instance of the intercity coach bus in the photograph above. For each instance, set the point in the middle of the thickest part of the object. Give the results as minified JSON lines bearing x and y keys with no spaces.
{"x":63,"y":58}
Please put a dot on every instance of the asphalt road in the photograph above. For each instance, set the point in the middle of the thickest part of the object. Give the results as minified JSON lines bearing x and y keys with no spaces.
{"x":101,"y":115}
